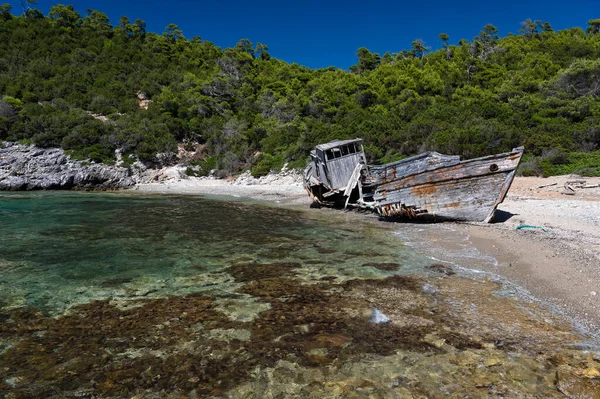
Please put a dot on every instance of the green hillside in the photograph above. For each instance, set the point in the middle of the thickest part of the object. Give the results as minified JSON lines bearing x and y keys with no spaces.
{"x":538,"y":89}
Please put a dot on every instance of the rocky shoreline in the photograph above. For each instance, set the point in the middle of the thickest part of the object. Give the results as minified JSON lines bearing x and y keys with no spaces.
{"x":27,"y":167}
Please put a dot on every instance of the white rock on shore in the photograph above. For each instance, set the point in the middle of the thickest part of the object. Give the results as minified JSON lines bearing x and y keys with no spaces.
{"x":285,"y":177}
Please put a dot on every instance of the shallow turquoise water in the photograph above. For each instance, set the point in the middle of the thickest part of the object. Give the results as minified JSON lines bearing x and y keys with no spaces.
{"x":63,"y":248}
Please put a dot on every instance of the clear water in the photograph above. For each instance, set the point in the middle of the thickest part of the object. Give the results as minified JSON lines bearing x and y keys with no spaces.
{"x":122,"y":295}
{"x":63,"y":248}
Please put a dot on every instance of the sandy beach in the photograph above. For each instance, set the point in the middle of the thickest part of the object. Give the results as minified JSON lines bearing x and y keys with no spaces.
{"x":555,"y":254}
{"x":544,"y":241}
{"x":283,"y":188}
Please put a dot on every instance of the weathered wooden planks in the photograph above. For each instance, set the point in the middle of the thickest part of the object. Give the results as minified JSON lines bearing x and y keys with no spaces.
{"x":466,"y":190}
{"x":408,"y":166}
{"x":339,"y":171}
{"x":472,"y":198}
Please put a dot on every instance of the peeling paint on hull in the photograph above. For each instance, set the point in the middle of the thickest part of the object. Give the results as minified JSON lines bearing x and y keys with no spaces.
{"x":468,"y":190}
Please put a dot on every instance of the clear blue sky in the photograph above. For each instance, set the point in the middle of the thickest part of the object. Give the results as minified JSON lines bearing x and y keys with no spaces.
{"x":328,"y":32}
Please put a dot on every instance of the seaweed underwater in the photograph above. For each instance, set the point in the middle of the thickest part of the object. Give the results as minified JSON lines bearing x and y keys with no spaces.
{"x":313,"y":340}
{"x":277,"y":311}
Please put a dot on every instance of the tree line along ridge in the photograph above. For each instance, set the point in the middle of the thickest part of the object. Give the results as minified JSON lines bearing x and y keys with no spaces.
{"x":80,"y":83}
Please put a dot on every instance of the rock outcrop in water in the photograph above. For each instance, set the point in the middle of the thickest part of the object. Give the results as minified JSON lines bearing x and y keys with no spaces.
{"x":24,"y":167}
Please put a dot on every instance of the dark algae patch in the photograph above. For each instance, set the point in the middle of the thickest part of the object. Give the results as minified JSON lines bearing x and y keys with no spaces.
{"x":117,"y":297}
{"x":182,"y":345}
{"x":388,"y":267}
{"x":249,"y":271}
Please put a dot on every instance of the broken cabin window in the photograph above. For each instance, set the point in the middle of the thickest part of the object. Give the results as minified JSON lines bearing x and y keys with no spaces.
{"x":342,"y":151}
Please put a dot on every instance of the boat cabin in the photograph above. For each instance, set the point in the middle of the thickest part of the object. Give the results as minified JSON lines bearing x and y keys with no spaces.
{"x":334,"y":162}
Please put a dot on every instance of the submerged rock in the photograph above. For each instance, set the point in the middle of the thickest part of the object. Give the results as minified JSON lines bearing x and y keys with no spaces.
{"x":378,"y":317}
{"x":575,"y":386}
{"x":25,"y":167}
{"x":228,"y":335}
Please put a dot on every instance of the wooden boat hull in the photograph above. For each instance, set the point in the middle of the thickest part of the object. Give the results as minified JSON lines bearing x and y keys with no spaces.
{"x":429,"y":185}
{"x":468,"y":190}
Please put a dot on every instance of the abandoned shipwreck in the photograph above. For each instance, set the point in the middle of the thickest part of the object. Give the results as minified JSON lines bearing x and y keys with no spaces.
{"x":429,"y":185}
